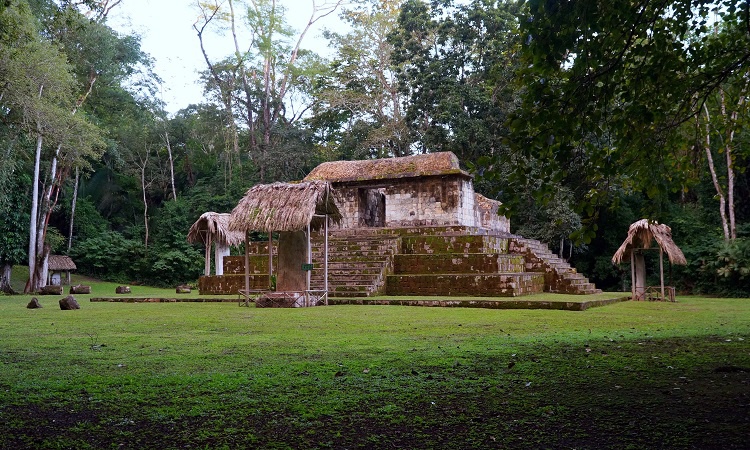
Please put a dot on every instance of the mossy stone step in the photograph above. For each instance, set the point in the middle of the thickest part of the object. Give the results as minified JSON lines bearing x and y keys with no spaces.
{"x":440,"y":263}
{"x":500,"y":285}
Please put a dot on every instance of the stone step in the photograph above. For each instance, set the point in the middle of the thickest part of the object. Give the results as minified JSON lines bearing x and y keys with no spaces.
{"x":442,"y":263}
{"x":351,"y":258}
{"x":346,"y":277}
{"x":346,"y":270}
{"x":453,"y":244}
{"x":495,"y":285}
{"x":350,"y":289}
{"x":358,"y":247}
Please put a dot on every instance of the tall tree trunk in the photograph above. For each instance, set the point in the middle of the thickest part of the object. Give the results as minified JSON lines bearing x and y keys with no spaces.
{"x":44,"y":212}
{"x":171,"y":165}
{"x":73,"y":209}
{"x":145,"y":202}
{"x":5,"y":272}
{"x":715,"y":178}
{"x":34,"y":216}
{"x":731,"y":122}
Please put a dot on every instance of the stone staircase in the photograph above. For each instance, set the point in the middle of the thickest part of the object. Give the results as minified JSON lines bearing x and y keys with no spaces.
{"x":357,"y":263}
{"x":559,"y":276}
{"x":460,"y":264}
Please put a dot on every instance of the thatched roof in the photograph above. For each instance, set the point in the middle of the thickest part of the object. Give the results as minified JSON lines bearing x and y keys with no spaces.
{"x":217,"y":225}
{"x":60,"y":262}
{"x":442,"y":163}
{"x":642,"y":233}
{"x":284,"y":207}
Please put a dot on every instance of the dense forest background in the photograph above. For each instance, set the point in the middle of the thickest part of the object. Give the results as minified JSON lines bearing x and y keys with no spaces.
{"x":581,"y":117}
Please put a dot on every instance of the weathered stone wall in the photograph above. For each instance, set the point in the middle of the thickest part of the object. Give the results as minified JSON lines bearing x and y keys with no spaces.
{"x":434,"y":201}
{"x":229,"y":284}
{"x":235,"y":265}
{"x":486,"y":215}
{"x":429,"y":244}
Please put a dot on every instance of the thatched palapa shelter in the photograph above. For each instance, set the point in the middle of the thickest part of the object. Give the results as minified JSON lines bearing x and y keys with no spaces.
{"x":59,"y":265}
{"x":641,"y":234}
{"x":293,"y":210}
{"x":213,"y":228}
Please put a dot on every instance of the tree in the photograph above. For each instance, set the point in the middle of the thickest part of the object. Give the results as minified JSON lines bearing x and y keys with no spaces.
{"x":37,"y":99}
{"x":13,"y":231}
{"x":360,"y":96}
{"x":266,"y":82}
{"x":609,"y":85}
{"x":455,"y":65}
{"x":718,"y":130}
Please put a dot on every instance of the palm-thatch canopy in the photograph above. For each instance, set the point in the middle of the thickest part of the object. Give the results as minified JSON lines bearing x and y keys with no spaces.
{"x":442,"y":163}
{"x":285,"y":207}
{"x":215,"y":225}
{"x":57,"y":263}
{"x":642,"y":233}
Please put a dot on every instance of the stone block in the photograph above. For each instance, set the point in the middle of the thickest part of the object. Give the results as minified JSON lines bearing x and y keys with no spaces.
{"x":69,"y":303}
{"x":183,"y":289}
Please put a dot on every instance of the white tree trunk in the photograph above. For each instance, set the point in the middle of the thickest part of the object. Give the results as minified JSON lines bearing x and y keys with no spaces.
{"x":715,"y":179}
{"x":34,"y":215}
{"x":171,"y":164}
{"x":73,"y":210}
{"x":145,"y":202}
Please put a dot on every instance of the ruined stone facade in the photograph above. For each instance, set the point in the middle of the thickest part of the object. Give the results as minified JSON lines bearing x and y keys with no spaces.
{"x":420,"y":190}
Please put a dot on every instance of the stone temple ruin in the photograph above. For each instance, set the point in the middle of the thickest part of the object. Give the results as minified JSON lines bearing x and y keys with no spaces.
{"x":414,"y":226}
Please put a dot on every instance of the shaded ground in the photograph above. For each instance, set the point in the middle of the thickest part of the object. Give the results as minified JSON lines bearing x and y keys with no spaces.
{"x":609,"y":393}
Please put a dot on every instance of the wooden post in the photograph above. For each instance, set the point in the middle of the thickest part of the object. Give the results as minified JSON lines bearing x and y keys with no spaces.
{"x":325,"y":283}
{"x":309,"y":256}
{"x":661,"y":271}
{"x":207,"y":267}
{"x":632,"y":274}
{"x":270,"y":259}
{"x":247,"y":263}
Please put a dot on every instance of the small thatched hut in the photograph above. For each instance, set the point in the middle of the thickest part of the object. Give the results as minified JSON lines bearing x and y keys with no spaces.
{"x":293,"y":210}
{"x":641,"y":234}
{"x":213,"y":228}
{"x":59,"y":266}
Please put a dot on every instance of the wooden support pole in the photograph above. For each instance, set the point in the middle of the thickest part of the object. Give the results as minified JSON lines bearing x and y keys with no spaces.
{"x":309,"y":256}
{"x":632,"y":274}
{"x":207,"y":266}
{"x":247,"y":262}
{"x":661,"y":271}
{"x":270,"y":260}
{"x":325,"y":283}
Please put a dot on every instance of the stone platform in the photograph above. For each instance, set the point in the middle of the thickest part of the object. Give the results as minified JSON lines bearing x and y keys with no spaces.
{"x":418,"y":260}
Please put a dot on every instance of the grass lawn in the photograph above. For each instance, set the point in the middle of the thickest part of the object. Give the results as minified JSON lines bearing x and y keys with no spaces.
{"x":213,"y":375}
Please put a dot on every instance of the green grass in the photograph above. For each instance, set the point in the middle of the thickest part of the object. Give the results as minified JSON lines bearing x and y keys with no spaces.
{"x":212,"y":375}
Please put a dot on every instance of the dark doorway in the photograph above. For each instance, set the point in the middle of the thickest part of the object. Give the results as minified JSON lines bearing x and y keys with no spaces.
{"x":371,"y":207}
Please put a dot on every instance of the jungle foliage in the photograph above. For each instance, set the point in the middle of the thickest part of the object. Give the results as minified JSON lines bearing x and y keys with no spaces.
{"x":581,"y":117}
